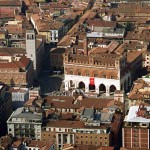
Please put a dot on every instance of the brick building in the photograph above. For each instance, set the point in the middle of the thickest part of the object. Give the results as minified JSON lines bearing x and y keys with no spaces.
{"x":97,"y":71}
{"x":135,"y":131}
{"x":81,"y":121}
{"x":17,"y":72}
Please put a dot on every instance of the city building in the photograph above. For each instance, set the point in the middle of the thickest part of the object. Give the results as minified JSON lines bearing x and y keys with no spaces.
{"x":25,"y":122}
{"x":34,"y":92}
{"x":57,"y":58}
{"x":16,"y":72}
{"x":135,"y":130}
{"x":97,"y":72}
{"x":81,"y":121}
{"x":19,"y":96}
{"x":36,"y":145}
{"x":139,"y":93}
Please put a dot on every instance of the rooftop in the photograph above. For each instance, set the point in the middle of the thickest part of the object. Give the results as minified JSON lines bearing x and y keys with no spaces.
{"x":25,"y":113}
{"x":138,"y":114}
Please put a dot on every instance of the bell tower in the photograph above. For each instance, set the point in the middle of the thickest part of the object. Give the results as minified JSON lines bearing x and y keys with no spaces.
{"x":31,"y":46}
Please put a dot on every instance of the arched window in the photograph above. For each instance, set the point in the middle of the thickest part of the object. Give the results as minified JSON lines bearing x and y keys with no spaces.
{"x":112,"y":89}
{"x":71,"y":72}
{"x":102,"y":88}
{"x":82,"y":85}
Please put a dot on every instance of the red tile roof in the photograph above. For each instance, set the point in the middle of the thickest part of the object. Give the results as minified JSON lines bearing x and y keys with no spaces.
{"x":8,"y":65}
{"x":101,"y":23}
{"x":10,"y":3}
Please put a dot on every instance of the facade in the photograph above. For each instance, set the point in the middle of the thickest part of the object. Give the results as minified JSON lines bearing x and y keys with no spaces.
{"x":75,"y":132}
{"x":57,"y":58}
{"x":135,"y":131}
{"x":19,"y":96}
{"x":16,"y":73}
{"x":25,"y":123}
{"x":99,"y":73}
{"x":34,"y":92}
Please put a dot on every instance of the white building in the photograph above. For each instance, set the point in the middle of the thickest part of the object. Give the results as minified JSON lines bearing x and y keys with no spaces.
{"x":24,"y":122}
{"x":19,"y":96}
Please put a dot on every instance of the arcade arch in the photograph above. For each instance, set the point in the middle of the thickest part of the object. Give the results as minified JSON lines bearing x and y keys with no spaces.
{"x":82,"y":85}
{"x":112,"y":89}
{"x":102,"y":88}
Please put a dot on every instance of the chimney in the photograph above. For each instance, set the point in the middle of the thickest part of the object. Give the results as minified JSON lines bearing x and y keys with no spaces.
{"x":85,"y":47}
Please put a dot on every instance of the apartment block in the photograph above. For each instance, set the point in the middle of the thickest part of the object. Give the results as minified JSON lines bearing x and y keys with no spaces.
{"x":25,"y":122}
{"x":135,"y":131}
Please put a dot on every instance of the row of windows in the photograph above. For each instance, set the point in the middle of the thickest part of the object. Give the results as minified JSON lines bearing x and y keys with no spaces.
{"x":94,"y":75}
{"x":8,"y":70}
{"x":92,"y":137}
{"x":93,"y":143}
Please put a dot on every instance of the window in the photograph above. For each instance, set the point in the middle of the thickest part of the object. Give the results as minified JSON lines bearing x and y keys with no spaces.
{"x":9,"y":129}
{"x":87,"y":74}
{"x":95,"y":75}
{"x":105,"y":137}
{"x":79,"y":73}
{"x":30,"y":36}
{"x":71,"y":72}
{"x":135,"y":140}
{"x":103,"y":76}
{"x":112,"y":77}
{"x":135,"y":144}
